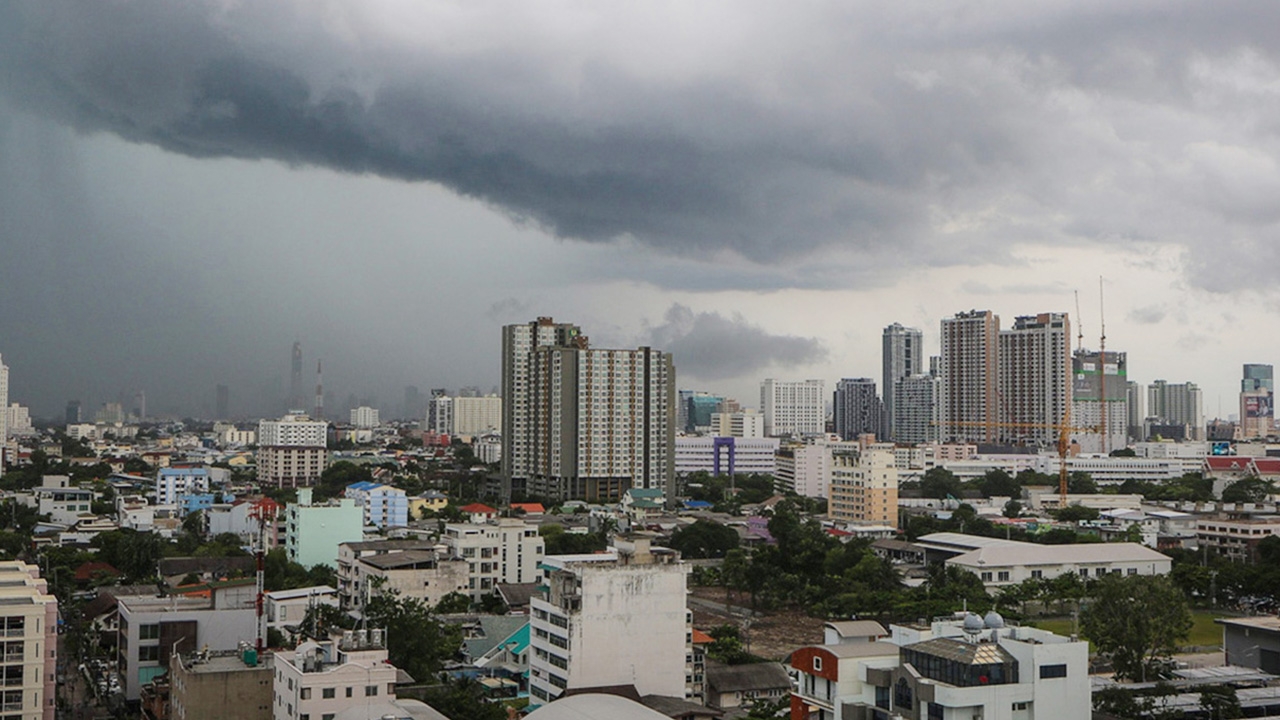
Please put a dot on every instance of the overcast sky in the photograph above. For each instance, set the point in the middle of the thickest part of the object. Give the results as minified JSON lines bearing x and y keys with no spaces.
{"x":186,"y":188}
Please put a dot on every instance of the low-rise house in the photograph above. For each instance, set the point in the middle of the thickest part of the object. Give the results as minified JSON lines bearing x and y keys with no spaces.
{"x":426,"y":575}
{"x":346,"y":676}
{"x":998,"y":562}
{"x":61,"y":501}
{"x":1252,"y":642}
{"x":176,"y":570}
{"x":733,"y":686}
{"x":351,"y":588}
{"x":431,"y":500}
{"x":288,"y":608}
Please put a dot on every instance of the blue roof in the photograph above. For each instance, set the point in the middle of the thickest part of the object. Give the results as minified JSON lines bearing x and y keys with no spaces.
{"x":363,"y":485}
{"x":696,"y":504}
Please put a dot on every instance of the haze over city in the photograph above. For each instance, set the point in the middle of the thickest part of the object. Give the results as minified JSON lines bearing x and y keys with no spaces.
{"x":188,"y":188}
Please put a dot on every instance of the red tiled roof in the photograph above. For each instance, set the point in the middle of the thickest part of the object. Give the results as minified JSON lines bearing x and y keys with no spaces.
{"x":478,"y":508}
{"x":88,"y":570}
{"x":534,"y":508}
{"x":701,"y":638}
{"x":1267,"y":466}
{"x":1227,"y":463}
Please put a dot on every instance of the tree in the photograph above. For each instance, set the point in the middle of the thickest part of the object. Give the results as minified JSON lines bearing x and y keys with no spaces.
{"x":1012,"y":509}
{"x":1080,"y":483}
{"x":454,"y":602}
{"x":1137,"y":621}
{"x":734,"y":572}
{"x":998,"y":483}
{"x":463,"y":699}
{"x":1076,"y":513}
{"x":1221,"y":701}
{"x":1248,"y":490}
{"x":704,"y":539}
{"x":417,"y":641}
{"x":940,"y":483}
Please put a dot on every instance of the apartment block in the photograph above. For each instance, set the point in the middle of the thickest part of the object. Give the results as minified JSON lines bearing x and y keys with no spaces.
{"x":864,"y":486}
{"x":969,"y":371}
{"x":30,"y":630}
{"x":1034,"y":378}
{"x":292,"y":451}
{"x":793,"y":407}
{"x":313,"y":531}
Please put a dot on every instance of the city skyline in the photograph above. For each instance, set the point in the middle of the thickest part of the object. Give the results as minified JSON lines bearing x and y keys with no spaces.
{"x":386,"y":194}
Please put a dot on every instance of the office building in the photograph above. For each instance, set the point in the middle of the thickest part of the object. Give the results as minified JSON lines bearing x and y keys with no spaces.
{"x":918,"y":403}
{"x":611,"y":619}
{"x":902,"y":356}
{"x":440,"y":415}
{"x":518,"y":344}
{"x":806,"y":469}
{"x":1257,"y":407}
{"x":857,"y":409}
{"x":30,"y":620}
{"x":1178,"y":404}
{"x":18,"y":419}
{"x":969,"y":377}
{"x":1034,"y":378}
{"x":476,"y":415}
{"x":864,"y":486}
{"x":581,"y":422}
{"x":793,"y":407}
{"x":698,"y":411}
{"x":292,"y":451}
{"x":313,"y":531}
{"x":1091,"y":378}
{"x":72,"y":414}
{"x":364,"y":417}
{"x":1134,"y":407}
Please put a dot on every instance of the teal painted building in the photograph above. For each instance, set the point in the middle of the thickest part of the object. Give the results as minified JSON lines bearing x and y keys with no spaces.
{"x":313,"y":532}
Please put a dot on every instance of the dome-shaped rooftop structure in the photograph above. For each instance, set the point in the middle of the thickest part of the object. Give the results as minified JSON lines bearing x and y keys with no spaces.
{"x":993,"y":620}
{"x":972,"y":623}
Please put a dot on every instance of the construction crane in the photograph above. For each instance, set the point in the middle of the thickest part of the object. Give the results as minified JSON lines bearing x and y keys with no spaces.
{"x":1102,"y":372}
{"x":1064,"y":430}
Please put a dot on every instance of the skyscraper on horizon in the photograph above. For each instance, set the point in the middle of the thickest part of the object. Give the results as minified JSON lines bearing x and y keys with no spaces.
{"x":1034,"y":378}
{"x":1177,"y":404}
{"x":969,"y":377}
{"x":1257,"y":408}
{"x":857,"y":409}
{"x":296,"y":401}
{"x":1088,"y":405}
{"x":793,"y":407}
{"x":581,"y":422}
{"x":902,"y":355}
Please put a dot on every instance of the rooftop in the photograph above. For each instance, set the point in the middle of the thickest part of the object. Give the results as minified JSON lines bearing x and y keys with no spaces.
{"x":215,"y":663}
{"x":1035,"y":554}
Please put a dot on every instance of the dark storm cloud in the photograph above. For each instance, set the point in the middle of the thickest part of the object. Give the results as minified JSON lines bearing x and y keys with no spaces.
{"x":710,"y":346}
{"x":918,"y":135}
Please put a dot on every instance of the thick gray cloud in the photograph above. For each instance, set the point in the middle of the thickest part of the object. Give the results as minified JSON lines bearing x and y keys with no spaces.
{"x":710,"y":346}
{"x":944,"y":135}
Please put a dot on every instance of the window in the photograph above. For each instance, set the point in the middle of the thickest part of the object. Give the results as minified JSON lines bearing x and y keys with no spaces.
{"x":150,"y":653}
{"x":328,"y":693}
{"x":304,"y":716}
{"x":305,"y":693}
{"x":149,"y":632}
{"x":1053,"y":671}
{"x":986,"y":577}
{"x":1037,"y":574}
{"x":817,"y":663}
{"x":1133,"y":571}
{"x":326,"y":716}
{"x":348,"y":692}
{"x":1021,"y":706}
{"x":1003,"y":576}
{"x":370,"y":690}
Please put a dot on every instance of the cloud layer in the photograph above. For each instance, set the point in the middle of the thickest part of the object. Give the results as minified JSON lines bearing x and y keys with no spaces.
{"x":908,"y":135}
{"x":709,"y":346}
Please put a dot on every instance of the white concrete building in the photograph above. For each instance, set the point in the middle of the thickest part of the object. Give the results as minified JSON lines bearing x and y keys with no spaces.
{"x":1177,"y":404}
{"x":364,"y":417}
{"x":61,"y":501}
{"x":476,"y":415}
{"x":902,"y":356}
{"x":610,"y":619}
{"x":384,"y":505}
{"x":18,"y":419}
{"x":793,"y":407}
{"x":172,"y":483}
{"x":426,"y":575}
{"x":968,"y":370}
{"x":722,"y":455}
{"x":917,"y":414}
{"x":506,"y":551}
{"x":348,"y":676}
{"x":741,"y":424}
{"x":518,"y":344}
{"x":805,"y":469}
{"x":998,"y":562}
{"x":950,"y":669}
{"x":440,"y":415}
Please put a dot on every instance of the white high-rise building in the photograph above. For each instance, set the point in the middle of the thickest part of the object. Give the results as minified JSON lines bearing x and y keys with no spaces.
{"x":793,"y":407}
{"x":968,"y":372}
{"x":602,"y":421}
{"x":364,"y":417}
{"x":4,"y":403}
{"x":902,"y":356}
{"x":292,"y":451}
{"x":19,"y":420}
{"x":1034,"y":382}
{"x":440,"y":415}
{"x":742,"y":424}
{"x":1135,"y":408}
{"x":476,"y":415}
{"x":518,"y":344}
{"x":610,"y":619}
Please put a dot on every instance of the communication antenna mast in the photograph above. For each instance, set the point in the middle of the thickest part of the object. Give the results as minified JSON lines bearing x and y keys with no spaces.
{"x":1102,"y":375}
{"x":264,"y":512}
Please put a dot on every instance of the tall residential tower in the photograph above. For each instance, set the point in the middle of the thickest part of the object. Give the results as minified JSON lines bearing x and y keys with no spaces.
{"x":903,"y":356}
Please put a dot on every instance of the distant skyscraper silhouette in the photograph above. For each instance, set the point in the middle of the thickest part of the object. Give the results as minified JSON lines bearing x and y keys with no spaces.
{"x":222,"y":403}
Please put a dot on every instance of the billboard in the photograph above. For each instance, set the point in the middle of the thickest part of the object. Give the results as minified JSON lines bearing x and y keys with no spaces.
{"x":1258,"y":405}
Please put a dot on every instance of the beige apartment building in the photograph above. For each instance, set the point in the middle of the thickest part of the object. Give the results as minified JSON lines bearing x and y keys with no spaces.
{"x":864,"y":486}
{"x":30,"y":626}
